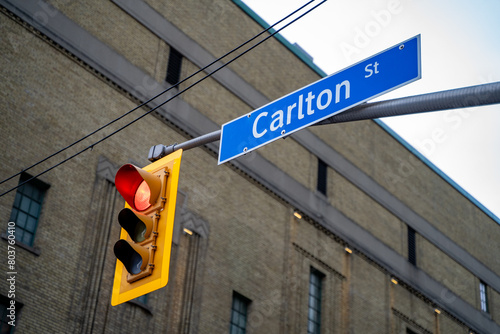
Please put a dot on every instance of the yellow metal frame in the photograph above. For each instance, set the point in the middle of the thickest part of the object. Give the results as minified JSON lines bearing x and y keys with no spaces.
{"x":123,"y":290}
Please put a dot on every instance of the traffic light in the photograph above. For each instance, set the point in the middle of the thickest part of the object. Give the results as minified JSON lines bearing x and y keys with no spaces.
{"x":147,"y":221}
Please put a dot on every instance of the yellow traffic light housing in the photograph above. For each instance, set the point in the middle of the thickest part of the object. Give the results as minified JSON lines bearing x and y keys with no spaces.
{"x":147,"y":221}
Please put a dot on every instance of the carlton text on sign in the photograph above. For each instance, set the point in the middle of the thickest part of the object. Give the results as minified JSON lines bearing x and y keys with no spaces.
{"x":379,"y":74}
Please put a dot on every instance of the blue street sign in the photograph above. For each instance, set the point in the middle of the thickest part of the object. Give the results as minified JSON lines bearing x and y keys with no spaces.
{"x":374,"y":76}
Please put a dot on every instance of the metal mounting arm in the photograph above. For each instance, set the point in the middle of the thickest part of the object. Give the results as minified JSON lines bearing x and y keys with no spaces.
{"x":159,"y":151}
{"x":473,"y":96}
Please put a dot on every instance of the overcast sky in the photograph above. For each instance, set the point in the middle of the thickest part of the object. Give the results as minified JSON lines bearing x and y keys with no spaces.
{"x":460,"y":47}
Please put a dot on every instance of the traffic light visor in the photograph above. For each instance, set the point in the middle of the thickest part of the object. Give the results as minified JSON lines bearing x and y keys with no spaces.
{"x":139,"y":188}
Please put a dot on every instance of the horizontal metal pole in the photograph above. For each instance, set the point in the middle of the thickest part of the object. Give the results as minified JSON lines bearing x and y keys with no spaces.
{"x":159,"y":151}
{"x":473,"y":96}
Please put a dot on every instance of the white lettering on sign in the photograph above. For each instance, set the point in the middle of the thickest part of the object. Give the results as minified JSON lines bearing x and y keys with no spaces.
{"x":254,"y":129}
{"x":371,"y":68}
{"x":379,"y":74}
{"x":277,"y":120}
{"x":323,"y":100}
{"x":328,"y":99}
{"x":347,"y":86}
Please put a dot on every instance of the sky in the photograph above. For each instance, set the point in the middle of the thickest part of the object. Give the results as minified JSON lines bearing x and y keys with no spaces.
{"x":460,"y":47}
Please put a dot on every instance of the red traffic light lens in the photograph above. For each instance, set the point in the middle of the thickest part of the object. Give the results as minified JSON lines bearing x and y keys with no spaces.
{"x":142,"y":196}
{"x":139,"y":188}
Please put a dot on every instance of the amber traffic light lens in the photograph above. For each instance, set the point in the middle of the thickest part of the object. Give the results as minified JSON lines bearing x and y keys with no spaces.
{"x":139,"y":233}
{"x":137,"y":226}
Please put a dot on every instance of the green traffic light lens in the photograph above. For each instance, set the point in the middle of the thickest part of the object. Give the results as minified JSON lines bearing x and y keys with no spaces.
{"x":135,"y":263}
{"x":132,"y":256}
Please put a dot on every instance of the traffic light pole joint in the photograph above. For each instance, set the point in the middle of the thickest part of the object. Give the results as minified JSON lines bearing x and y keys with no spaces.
{"x":159,"y":151}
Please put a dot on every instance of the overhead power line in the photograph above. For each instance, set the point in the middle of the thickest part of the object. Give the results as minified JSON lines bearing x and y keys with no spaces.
{"x":272,"y":34}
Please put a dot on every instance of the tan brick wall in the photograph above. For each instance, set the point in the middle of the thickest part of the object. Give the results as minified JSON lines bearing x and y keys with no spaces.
{"x":416,"y":313}
{"x":52,"y":102}
{"x":373,"y":150}
{"x":494,"y":298}
{"x":441,"y":267}
{"x":366,"y":212}
{"x":279,"y":72}
{"x":124,"y":34}
{"x":255,"y":246}
{"x":369,"y":298}
{"x":210,"y":97}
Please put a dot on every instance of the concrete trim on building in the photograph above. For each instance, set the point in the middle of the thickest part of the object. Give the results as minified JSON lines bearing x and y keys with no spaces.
{"x":200,"y":57}
{"x":294,"y":48}
{"x":194,"y":52}
{"x":112,"y":65}
{"x":395,"y":206}
{"x":299,"y":53}
{"x":436,"y":170}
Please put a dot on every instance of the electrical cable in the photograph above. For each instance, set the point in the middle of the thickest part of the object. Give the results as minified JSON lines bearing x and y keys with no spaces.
{"x":163,"y":103}
{"x":156,"y":96}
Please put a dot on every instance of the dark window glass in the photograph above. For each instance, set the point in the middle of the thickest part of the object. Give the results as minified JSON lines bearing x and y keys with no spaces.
{"x":239,"y":311}
{"x":483,"y":295}
{"x":412,"y":247}
{"x":322,"y":172}
{"x":314,"y":311}
{"x":142,"y":299}
{"x":174,"y":67}
{"x":26,"y":209}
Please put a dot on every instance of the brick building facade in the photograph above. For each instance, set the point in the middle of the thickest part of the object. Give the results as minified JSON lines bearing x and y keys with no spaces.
{"x":383,"y":243}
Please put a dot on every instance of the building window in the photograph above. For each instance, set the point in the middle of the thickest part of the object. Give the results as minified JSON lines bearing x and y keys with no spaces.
{"x":142,"y":299}
{"x":412,"y":249}
{"x":142,"y":302}
{"x":322,"y":173}
{"x":26,"y":209}
{"x":314,"y":313}
{"x":174,"y":67}
{"x":483,"y":296}
{"x":239,"y":312}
